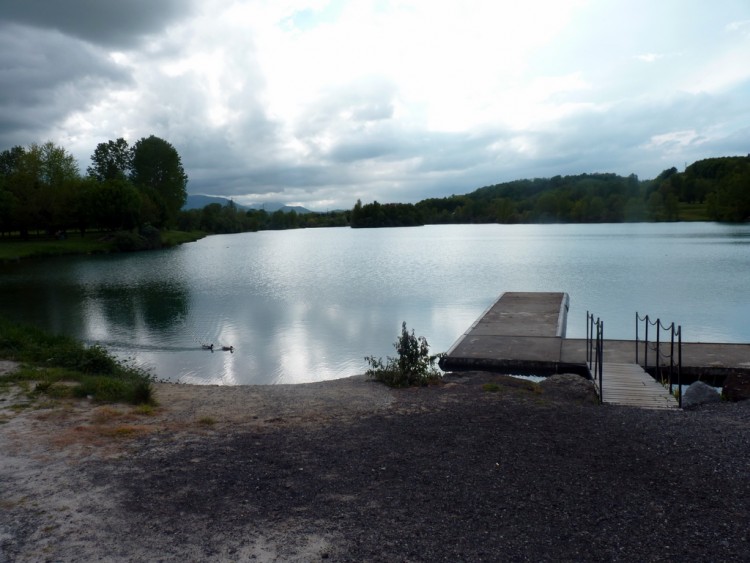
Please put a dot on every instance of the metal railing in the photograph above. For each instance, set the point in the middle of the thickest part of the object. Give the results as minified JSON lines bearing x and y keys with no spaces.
{"x":664,"y":362}
{"x":595,"y":350}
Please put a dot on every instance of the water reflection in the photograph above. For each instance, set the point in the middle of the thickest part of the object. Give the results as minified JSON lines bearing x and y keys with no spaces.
{"x":309,"y":305}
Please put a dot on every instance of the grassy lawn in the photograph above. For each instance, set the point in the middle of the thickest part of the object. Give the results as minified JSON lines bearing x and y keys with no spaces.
{"x":173,"y":238}
{"x":14,"y":249}
{"x":91,"y":243}
{"x":693,"y":212}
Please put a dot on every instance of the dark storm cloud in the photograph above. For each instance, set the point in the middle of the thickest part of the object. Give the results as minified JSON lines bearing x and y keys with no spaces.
{"x":54,"y":58}
{"x":114,"y":23}
{"x":45,"y":76}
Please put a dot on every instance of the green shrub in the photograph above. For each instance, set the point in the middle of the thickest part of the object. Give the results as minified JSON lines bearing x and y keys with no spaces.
{"x":127,"y":241}
{"x":152,"y":236}
{"x":413,"y":366}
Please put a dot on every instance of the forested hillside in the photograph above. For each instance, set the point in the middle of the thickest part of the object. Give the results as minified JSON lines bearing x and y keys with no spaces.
{"x":712,"y":189}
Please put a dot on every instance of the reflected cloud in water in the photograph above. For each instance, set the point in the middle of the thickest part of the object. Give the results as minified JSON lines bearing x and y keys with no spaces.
{"x":301,"y":306}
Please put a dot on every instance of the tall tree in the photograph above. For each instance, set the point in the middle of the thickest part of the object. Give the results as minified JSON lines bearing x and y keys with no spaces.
{"x":111,"y":161}
{"x":157,"y":165}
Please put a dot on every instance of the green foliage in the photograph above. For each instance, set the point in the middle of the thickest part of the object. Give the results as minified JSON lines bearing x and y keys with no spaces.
{"x":53,"y":359}
{"x":413,"y":366}
{"x":388,"y":215}
{"x":156,"y":164}
{"x":173,"y":238}
{"x":111,"y":161}
{"x":715,"y":188}
{"x":128,"y":241}
{"x":41,"y":188}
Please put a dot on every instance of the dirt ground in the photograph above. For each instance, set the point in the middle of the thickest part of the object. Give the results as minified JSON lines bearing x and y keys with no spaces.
{"x":482,"y":468}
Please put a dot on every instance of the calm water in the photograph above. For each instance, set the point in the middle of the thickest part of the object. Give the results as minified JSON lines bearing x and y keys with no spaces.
{"x":308,"y":305}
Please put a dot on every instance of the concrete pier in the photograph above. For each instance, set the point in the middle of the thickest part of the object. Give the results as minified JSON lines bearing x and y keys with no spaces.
{"x":525,"y":333}
{"x":520,"y":332}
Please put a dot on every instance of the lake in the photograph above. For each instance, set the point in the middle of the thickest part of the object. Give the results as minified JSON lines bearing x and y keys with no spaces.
{"x":308,"y":305}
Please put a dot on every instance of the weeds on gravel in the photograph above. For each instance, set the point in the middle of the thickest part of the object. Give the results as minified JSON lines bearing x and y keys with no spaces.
{"x":61,"y":367}
{"x":413,"y":366}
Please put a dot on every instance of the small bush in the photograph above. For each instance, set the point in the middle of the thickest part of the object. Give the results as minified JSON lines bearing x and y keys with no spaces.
{"x":413,"y":366}
{"x":127,"y":241}
{"x":142,"y":393}
{"x":152,"y":236}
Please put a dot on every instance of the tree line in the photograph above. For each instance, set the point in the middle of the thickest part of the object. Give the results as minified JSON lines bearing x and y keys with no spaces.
{"x":712,"y":189}
{"x":126,"y":187}
{"x":218,"y":218}
{"x":142,"y":188}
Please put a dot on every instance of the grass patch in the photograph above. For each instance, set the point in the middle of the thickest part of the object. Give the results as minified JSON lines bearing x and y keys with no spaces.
{"x":104,"y":415}
{"x":693,"y":212}
{"x":124,"y":431}
{"x":59,"y":366}
{"x":174,"y":238}
{"x":18,"y":249}
{"x":144,"y":409}
{"x":206,"y":421}
{"x":491,"y":387}
{"x":12,"y":249}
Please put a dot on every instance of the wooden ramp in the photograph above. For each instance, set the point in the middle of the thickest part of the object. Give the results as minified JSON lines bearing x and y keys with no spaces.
{"x":629,"y":385}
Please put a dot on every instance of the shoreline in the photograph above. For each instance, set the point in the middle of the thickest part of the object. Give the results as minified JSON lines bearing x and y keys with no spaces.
{"x":479,"y":468}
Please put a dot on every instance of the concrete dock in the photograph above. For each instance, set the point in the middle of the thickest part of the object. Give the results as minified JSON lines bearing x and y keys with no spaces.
{"x":524,"y":333}
{"x":520,"y":332}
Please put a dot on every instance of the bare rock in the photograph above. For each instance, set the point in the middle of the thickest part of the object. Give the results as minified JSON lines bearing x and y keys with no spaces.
{"x":699,"y":393}
{"x":570,"y":386}
{"x":737,"y":387}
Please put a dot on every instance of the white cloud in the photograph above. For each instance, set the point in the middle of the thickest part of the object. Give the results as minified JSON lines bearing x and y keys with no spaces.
{"x":322,"y":102}
{"x":649,"y":57}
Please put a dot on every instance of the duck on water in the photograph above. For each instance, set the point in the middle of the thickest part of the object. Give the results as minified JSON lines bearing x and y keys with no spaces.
{"x":211,"y":347}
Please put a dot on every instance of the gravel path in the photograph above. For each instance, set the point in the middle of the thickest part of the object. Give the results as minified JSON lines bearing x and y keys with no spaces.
{"x":351,"y":471}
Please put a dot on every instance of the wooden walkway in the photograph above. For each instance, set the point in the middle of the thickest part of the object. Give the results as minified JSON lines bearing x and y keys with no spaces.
{"x":629,"y":385}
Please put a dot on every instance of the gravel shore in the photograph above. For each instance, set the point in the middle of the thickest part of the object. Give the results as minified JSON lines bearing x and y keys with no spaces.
{"x":352,"y":471}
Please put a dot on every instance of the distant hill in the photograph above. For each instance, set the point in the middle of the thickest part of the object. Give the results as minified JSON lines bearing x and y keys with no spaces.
{"x":200,"y":201}
{"x":273,"y":206}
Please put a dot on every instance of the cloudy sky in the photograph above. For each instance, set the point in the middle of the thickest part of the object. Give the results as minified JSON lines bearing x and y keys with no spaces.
{"x":321,"y":102}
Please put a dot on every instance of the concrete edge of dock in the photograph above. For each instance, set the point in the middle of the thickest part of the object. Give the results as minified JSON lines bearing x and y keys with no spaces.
{"x":516,"y":334}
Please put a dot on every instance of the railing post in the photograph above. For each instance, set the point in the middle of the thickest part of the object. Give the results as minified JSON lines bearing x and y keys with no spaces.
{"x":645,"y":346}
{"x":671,"y":357}
{"x":601,"y":360}
{"x":658,"y":352}
{"x":588,"y":339}
{"x":679,"y":363}
{"x":636,"y":336}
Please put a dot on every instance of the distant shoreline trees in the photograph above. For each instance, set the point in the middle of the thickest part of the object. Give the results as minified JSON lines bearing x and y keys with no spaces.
{"x":125,"y":188}
{"x":143,"y":187}
{"x":715,"y":189}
